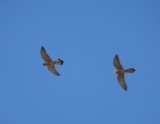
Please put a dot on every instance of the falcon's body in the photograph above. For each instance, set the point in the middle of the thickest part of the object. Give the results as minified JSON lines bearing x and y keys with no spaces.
{"x":120,"y":72}
{"x":49,"y":63}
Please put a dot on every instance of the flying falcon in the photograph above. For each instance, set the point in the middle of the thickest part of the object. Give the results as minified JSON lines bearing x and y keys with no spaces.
{"x":49,"y":63}
{"x":120,"y":71}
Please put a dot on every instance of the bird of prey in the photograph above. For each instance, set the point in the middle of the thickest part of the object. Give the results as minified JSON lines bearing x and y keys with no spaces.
{"x":120,"y":71}
{"x":49,"y":63}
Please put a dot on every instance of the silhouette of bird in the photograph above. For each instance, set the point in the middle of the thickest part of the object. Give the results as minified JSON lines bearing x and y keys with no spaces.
{"x":49,"y":63}
{"x":120,"y":72}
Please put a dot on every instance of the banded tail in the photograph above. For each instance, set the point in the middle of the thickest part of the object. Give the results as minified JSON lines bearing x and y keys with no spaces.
{"x":130,"y":70}
{"x":60,"y":61}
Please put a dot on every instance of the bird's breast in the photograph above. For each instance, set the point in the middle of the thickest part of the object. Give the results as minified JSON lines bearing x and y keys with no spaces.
{"x":48,"y":63}
{"x":119,"y":71}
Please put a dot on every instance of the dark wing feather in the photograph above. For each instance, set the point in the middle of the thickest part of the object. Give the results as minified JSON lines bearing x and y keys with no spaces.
{"x":53,"y":70}
{"x":116,"y":62}
{"x":121,"y":81}
{"x":44,"y":55}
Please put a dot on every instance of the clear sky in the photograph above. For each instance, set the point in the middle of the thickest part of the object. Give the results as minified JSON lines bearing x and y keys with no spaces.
{"x":85,"y":34}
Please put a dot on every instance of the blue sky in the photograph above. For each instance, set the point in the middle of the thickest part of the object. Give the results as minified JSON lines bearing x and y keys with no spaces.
{"x":86,"y":34}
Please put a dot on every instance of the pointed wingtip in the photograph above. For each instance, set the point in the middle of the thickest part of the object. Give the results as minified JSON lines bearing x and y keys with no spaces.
{"x":116,"y":56}
{"x":57,"y":74}
{"x":42,"y":48}
{"x":125,"y":88}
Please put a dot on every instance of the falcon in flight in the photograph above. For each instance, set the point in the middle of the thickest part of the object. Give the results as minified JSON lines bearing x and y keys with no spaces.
{"x":120,"y":71}
{"x":49,"y":63}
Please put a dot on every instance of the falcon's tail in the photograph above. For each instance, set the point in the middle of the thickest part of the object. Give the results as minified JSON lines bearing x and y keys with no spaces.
{"x":58,"y":62}
{"x":130,"y":70}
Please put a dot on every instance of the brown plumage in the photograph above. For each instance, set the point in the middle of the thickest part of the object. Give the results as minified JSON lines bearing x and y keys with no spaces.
{"x":49,"y":63}
{"x":120,"y":71}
